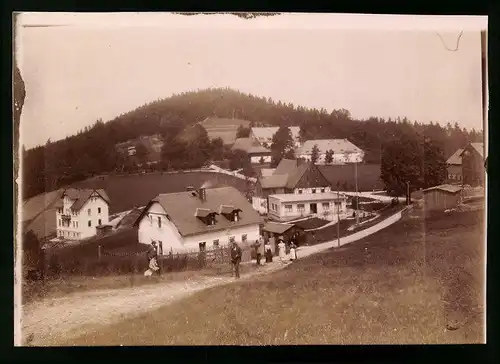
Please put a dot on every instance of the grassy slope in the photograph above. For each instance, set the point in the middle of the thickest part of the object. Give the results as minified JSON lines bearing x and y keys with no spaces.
{"x":401,"y":285}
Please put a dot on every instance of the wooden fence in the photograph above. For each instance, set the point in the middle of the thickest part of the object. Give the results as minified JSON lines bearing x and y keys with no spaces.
{"x":126,"y":262}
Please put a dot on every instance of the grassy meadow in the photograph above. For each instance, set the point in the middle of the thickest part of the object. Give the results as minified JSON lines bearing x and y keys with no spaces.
{"x":418,"y":281}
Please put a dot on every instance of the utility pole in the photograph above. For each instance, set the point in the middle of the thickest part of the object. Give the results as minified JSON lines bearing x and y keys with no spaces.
{"x":408,"y":200}
{"x":338,"y":216}
{"x":357,"y":197}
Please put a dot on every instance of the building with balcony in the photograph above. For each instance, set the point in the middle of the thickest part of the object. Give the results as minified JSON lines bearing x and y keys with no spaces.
{"x":80,"y":211}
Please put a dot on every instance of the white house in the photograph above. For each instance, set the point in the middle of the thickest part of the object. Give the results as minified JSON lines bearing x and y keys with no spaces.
{"x":80,"y":211}
{"x":285,"y":207}
{"x":258,"y":154}
{"x":264,"y":135}
{"x":198,"y":220}
{"x":343,"y":151}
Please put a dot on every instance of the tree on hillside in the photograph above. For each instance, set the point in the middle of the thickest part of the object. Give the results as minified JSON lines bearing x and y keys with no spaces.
{"x":411,"y":159}
{"x":315,"y":154}
{"x":141,"y":153}
{"x":217,"y":148}
{"x":329,"y":157}
{"x":242,"y":132}
{"x":282,"y":145}
{"x":173,"y":153}
{"x":239,"y":159}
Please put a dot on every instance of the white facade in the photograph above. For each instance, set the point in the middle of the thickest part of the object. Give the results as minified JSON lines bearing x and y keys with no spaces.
{"x":155,"y":225}
{"x":255,"y":159}
{"x":337,"y":158}
{"x":324,"y":206}
{"x":81,"y":224}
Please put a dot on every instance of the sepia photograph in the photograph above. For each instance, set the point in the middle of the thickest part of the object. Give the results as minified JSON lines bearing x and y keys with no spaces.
{"x":249,"y":179}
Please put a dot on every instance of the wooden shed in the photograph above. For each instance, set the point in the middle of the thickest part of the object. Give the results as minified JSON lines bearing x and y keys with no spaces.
{"x":442,"y":197}
{"x":276,"y":229}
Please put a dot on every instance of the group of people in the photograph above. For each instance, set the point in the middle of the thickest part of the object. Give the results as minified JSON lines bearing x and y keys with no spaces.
{"x":262,"y":249}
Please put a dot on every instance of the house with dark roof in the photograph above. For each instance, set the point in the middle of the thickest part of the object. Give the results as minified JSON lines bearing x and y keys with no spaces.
{"x":198,"y":220}
{"x":257,"y":153}
{"x":473,"y":171}
{"x":454,"y":167}
{"x":291,"y":176}
{"x":343,"y":151}
{"x":80,"y":211}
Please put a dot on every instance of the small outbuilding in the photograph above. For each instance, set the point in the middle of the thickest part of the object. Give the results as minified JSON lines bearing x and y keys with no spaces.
{"x":442,"y":197}
{"x":277,"y":229}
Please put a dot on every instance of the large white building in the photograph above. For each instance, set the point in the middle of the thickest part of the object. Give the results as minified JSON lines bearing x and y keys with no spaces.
{"x":80,"y":211}
{"x":198,"y":220}
{"x":327,"y":205}
{"x":264,"y":135}
{"x":343,"y":151}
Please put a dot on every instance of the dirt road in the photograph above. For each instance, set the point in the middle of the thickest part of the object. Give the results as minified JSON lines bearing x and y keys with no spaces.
{"x":45,"y":321}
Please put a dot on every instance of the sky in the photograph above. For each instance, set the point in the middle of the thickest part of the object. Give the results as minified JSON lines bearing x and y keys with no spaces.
{"x":97,"y":66}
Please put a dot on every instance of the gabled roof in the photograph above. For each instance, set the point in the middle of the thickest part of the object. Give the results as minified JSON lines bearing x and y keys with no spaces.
{"x":286,"y":166}
{"x":250,"y":146}
{"x":338,"y":146}
{"x":180,"y":208}
{"x":274,"y":181}
{"x":456,"y":158}
{"x":80,"y":196}
{"x":227,"y":209}
{"x":479,"y":147}
{"x":267,"y":133}
{"x":203,"y":212}
{"x":287,"y":174}
{"x":446,"y":188}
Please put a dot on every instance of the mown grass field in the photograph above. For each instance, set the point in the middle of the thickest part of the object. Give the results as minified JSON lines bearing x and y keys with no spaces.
{"x":418,"y":281}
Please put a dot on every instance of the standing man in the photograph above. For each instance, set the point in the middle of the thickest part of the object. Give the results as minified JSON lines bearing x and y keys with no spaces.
{"x":260,"y":249}
{"x":236,"y":259}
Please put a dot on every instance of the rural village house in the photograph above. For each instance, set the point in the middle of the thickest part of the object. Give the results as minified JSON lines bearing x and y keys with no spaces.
{"x":257,"y":153}
{"x":264,"y":135}
{"x":80,"y":211}
{"x":454,"y":167}
{"x":343,"y":151}
{"x":286,"y":207}
{"x":473,"y":164}
{"x":198,"y":220}
{"x":290,"y":177}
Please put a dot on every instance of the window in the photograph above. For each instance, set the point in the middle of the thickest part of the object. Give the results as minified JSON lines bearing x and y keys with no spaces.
{"x":90,"y":223}
{"x":98,"y":210}
{"x":326,"y":205}
{"x":322,"y":190}
{"x":300,"y":207}
{"x":300,"y":192}
{"x":244,"y":237}
{"x":99,"y":221}
{"x":288,"y":208}
{"x":150,"y":220}
{"x":59,"y":222}
{"x":89,"y":212}
{"x":313,"y":190}
{"x":59,"y":210}
{"x":159,"y":221}
{"x":160,"y":248}
{"x":216,"y":243}
{"x":231,"y":239}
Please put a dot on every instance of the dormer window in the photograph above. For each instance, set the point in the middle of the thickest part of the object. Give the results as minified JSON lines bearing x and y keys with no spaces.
{"x":206,"y":215}
{"x":231,"y":213}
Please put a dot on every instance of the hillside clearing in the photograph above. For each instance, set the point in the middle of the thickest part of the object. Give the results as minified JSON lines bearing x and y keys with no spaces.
{"x":418,"y":281}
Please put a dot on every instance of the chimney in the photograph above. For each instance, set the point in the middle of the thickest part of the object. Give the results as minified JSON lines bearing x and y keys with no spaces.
{"x":202,"y":193}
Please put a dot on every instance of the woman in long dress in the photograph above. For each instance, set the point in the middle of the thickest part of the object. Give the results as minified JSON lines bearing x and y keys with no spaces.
{"x":281,"y":249}
{"x":293,"y":251}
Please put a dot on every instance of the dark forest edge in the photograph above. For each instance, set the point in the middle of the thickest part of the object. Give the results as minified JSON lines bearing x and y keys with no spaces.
{"x":400,"y":146}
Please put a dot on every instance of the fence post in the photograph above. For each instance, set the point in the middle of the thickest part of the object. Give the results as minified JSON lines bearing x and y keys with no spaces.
{"x":99,"y":252}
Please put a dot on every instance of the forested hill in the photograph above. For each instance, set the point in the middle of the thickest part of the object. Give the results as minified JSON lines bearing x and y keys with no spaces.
{"x":92,"y":151}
